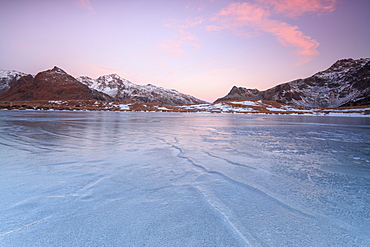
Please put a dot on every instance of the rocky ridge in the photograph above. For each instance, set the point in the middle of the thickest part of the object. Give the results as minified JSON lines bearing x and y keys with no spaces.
{"x":53,"y":84}
{"x":125,"y":91}
{"x":345,"y":83}
{"x":56,"y":84}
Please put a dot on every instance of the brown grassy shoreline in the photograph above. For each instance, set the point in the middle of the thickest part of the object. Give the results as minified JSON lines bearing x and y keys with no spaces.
{"x":264,"y":107}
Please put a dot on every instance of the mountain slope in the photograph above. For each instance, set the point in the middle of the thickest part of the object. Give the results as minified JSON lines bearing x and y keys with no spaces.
{"x":53,"y":84}
{"x":125,"y":91}
{"x":8,"y":78}
{"x":346,"y":82}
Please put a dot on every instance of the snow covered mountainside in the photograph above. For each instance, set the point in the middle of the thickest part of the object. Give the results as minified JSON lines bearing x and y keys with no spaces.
{"x":123,"y":90}
{"x":56,"y":84}
{"x":8,"y":77}
{"x":345,"y":83}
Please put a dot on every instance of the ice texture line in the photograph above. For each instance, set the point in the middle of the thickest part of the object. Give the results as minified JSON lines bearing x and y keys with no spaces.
{"x":63,"y":135}
{"x":27,"y":200}
{"x":15,"y":146}
{"x":24,"y":227}
{"x":247,"y":241}
{"x":63,"y":196}
{"x":24,"y":142}
{"x":77,"y":192}
{"x":247,"y":186}
{"x":92,"y":184}
{"x":229,"y":161}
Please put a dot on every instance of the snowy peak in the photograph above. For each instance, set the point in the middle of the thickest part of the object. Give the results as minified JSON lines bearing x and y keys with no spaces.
{"x":349,"y":63}
{"x":112,"y":77}
{"x":113,"y":81}
{"x":123,"y":90}
{"x":346,"y":82}
{"x":58,"y":70}
{"x":7,"y":77}
{"x":10,"y":74}
{"x":342,"y":67}
{"x":108,"y":84}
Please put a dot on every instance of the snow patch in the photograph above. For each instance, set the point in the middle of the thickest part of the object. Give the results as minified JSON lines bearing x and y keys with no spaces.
{"x":249,"y":103}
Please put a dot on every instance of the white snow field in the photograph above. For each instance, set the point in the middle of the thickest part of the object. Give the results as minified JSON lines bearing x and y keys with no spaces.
{"x":183,"y":179}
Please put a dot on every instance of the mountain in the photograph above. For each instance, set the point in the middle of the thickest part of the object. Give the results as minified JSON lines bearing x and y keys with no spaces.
{"x":56,"y":84}
{"x":8,"y":78}
{"x":53,"y":84}
{"x":125,"y":91}
{"x":345,"y":83}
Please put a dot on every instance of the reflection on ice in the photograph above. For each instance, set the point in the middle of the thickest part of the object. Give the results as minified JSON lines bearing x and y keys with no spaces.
{"x":166,"y":179}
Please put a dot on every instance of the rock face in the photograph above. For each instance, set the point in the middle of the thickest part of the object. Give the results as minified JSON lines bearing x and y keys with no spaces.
{"x":125,"y":91}
{"x":345,"y":83}
{"x":54,"y":84}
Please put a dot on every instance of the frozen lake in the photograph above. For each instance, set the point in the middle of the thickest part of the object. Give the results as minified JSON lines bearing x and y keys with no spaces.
{"x":167,"y":179}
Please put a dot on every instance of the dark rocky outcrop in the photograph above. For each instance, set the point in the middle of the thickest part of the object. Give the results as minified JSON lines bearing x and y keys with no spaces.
{"x":345,"y":83}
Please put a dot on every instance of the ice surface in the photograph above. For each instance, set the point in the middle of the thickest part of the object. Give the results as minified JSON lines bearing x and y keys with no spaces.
{"x":169,"y":179}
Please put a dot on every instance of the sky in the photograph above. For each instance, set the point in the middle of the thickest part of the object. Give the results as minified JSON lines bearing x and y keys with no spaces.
{"x":198,"y":47}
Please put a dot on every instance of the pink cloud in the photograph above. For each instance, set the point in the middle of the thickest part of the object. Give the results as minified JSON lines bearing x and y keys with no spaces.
{"x":295,"y":8}
{"x":242,"y":16}
{"x":288,"y":35}
{"x":175,"y":45}
{"x":184,"y":24}
{"x":243,"y":13}
{"x":214,"y":28}
{"x":87,"y":5}
{"x":185,"y":35}
{"x":238,"y":17}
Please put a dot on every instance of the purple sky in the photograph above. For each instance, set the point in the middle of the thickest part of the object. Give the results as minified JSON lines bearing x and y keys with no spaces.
{"x":198,"y":47}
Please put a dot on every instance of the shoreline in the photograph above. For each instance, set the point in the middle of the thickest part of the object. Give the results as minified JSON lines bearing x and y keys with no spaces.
{"x":255,"y":107}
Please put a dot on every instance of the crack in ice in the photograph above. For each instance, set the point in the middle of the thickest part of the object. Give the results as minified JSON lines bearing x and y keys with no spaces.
{"x":250,"y":187}
{"x":24,"y":227}
{"x":229,"y":161}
